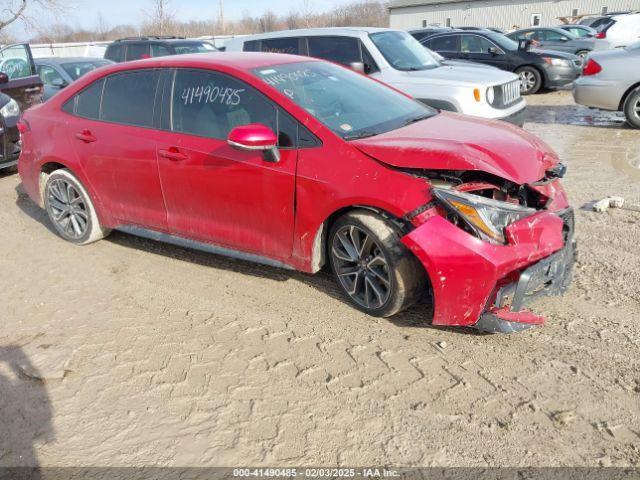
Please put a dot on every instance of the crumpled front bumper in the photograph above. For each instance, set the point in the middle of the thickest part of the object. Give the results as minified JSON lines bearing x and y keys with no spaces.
{"x":479,"y":284}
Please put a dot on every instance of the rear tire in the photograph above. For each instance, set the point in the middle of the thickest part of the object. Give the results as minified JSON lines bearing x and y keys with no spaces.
{"x":376,"y":272}
{"x":71,"y":210}
{"x":530,"y":80}
{"x":632,"y":108}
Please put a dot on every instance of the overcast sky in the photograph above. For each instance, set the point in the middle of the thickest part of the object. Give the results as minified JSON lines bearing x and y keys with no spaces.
{"x":84,"y":12}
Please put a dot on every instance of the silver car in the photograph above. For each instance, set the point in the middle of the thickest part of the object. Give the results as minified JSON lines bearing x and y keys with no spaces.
{"x":610,"y":82}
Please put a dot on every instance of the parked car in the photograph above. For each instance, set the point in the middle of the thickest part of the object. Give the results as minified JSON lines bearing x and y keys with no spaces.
{"x":623,"y":30}
{"x":537,"y":69}
{"x":425,"y":32}
{"x":9,"y":134}
{"x":596,"y":22}
{"x":277,"y":159}
{"x":608,"y":82}
{"x":396,"y":58}
{"x":580,"y":31}
{"x":551,"y":38}
{"x":18,"y":76}
{"x":136,"y":48}
{"x":57,"y":73}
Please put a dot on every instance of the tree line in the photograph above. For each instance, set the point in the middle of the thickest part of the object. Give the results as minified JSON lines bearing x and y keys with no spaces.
{"x":160,"y":19}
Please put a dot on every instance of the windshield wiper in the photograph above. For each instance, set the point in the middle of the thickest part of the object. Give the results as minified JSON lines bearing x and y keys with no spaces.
{"x":365,"y":134}
{"x":417,"y":119}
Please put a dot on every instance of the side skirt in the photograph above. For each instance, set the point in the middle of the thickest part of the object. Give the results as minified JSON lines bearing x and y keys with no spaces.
{"x":201,"y":246}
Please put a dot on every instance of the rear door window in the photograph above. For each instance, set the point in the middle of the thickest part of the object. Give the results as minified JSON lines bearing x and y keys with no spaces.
{"x":449,"y":43}
{"x":136,"y":51}
{"x":344,"y":50}
{"x":159,"y":50}
{"x":129,"y":98}
{"x":292,"y":46}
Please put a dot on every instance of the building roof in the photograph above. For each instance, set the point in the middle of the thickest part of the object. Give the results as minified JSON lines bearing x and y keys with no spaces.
{"x":416,"y":3}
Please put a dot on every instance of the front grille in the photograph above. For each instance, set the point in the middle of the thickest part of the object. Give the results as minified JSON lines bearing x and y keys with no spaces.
{"x":507,"y":94}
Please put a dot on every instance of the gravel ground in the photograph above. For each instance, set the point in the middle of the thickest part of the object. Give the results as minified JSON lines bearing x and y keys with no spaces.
{"x":129,"y":352}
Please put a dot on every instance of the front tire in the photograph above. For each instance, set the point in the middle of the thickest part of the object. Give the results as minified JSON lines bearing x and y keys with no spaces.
{"x":632,"y":108}
{"x":530,"y":80}
{"x":378,"y":274}
{"x":71,"y":210}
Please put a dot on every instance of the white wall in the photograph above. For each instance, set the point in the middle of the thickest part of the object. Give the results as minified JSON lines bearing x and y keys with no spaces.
{"x":501,"y":13}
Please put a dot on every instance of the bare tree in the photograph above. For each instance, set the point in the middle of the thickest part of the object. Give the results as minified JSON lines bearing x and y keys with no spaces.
{"x":159,"y":21}
{"x":159,"y":18}
{"x":12,"y":11}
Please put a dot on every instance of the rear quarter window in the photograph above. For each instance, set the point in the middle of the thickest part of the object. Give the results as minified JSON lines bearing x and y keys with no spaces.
{"x":115,"y":53}
{"x":86,"y":103}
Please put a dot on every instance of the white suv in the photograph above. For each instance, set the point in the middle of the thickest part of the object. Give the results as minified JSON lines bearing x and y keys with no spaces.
{"x":396,"y":58}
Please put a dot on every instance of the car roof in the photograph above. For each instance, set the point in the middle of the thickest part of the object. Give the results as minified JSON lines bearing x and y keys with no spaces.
{"x":232,"y":60}
{"x":311,"y":32}
{"x":62,"y":60}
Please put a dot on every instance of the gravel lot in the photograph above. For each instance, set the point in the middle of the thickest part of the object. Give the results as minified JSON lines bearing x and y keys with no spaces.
{"x":128,"y":352}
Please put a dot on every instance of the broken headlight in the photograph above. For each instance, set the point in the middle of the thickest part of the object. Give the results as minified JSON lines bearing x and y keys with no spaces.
{"x":487,"y":218}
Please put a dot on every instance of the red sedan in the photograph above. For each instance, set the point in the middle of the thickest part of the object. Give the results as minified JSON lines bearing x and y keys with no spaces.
{"x":300,"y":163}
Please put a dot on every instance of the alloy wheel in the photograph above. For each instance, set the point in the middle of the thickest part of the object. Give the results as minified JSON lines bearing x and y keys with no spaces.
{"x":68,"y":208}
{"x":527,"y":81}
{"x":361,"y":267}
{"x":635,"y":109}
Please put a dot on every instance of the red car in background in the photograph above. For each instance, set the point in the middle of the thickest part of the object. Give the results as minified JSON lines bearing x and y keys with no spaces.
{"x":299,"y":163}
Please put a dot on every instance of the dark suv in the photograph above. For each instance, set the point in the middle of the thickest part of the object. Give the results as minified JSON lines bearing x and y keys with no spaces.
{"x":536,"y":68}
{"x":136,"y":48}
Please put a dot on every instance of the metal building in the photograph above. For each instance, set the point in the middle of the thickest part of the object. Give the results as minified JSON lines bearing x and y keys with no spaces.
{"x":503,"y":14}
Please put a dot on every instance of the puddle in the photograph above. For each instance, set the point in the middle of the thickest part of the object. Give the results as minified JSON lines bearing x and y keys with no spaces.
{"x":575,"y":115}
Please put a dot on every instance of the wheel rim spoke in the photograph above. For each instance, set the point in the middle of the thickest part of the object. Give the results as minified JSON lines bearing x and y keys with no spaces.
{"x":361,"y":267}
{"x":68,"y":208}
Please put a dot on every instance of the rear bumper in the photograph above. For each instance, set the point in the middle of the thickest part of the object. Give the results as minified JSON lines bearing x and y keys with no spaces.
{"x":591,"y":92}
{"x":471,"y":278}
{"x":560,"y":76}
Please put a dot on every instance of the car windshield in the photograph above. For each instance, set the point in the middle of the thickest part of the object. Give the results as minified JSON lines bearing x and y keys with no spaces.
{"x":78,"y":69}
{"x":403,"y":51}
{"x":503,"y":42}
{"x":193,"y":47}
{"x":351,"y":105}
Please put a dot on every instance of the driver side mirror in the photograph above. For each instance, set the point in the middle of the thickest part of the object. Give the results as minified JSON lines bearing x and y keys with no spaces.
{"x":357,"y":67}
{"x":493,"y":51}
{"x":255,"y":136}
{"x":4,"y":78}
{"x":58,"y":83}
{"x":564,"y":39}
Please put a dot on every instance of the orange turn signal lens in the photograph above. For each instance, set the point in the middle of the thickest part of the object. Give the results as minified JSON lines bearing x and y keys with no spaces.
{"x":476,"y":94}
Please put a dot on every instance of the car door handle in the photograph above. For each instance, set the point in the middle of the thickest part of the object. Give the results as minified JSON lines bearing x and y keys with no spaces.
{"x":173,"y":153}
{"x":86,"y":136}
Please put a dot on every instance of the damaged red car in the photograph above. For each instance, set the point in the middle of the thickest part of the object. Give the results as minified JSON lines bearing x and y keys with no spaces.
{"x":300,"y":163}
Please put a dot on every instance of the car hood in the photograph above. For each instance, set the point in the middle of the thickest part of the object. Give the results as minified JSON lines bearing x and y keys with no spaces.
{"x":457,"y":75}
{"x":466,"y":63}
{"x":450,"y":141}
{"x":554,"y":54}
